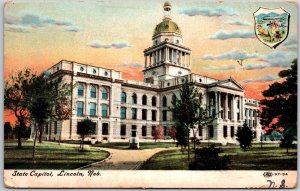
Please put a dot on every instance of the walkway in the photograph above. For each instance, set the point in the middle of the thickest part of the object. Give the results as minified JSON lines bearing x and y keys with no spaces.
{"x":125,"y":159}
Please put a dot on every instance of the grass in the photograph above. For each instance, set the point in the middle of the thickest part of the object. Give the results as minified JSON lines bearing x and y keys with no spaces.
{"x":125,"y":145}
{"x":270,"y":157}
{"x":49,"y":155}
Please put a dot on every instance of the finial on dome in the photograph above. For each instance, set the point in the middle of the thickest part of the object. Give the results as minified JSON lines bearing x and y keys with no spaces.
{"x":167,"y":10}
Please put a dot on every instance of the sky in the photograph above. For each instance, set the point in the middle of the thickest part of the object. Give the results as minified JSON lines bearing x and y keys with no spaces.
{"x":114,"y":34}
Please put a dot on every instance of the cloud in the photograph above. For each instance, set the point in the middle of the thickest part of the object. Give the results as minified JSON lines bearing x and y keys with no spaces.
{"x":255,"y":66}
{"x":238,"y":22}
{"x":221,"y":35}
{"x":291,"y":42}
{"x":72,"y":28}
{"x":98,"y":44}
{"x":209,"y":12}
{"x":134,"y":65}
{"x":222,"y":67}
{"x":17,"y":28}
{"x":231,"y":55}
{"x":267,"y":78}
{"x":279,"y":58}
{"x":31,"y":21}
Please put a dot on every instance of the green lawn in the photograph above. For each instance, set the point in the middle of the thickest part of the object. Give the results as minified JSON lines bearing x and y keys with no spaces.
{"x":49,"y":155}
{"x":270,"y":157}
{"x":125,"y":145}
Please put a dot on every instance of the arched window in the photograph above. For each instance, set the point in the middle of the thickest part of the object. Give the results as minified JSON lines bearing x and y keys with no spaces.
{"x":104,"y":110}
{"x":174,"y":98}
{"x":134,"y":98}
{"x":80,"y":90}
{"x":93,"y":92}
{"x":123,"y":97}
{"x":164,"y":101}
{"x":104,"y":93}
{"x":144,"y":100}
{"x":153,"y":101}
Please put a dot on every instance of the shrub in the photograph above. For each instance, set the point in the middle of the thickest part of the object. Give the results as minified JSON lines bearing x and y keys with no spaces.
{"x":287,"y":141}
{"x":208,"y":158}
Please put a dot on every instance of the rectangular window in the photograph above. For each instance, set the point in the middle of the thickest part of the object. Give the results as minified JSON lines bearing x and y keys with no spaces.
{"x":164,"y":116}
{"x":123,"y":112}
{"x":104,"y":110}
{"x":104,"y":128}
{"x":211,"y":131}
{"x":133,"y":131}
{"x":250,"y":125}
{"x":238,"y":116}
{"x":232,"y":131}
{"x":225,"y":131}
{"x":153,"y":127}
{"x":133,"y":113}
{"x":144,"y":131}
{"x":153,"y":115}
{"x":229,"y":114}
{"x":80,"y":108}
{"x":144,"y":114}
{"x":200,"y":131}
{"x":123,"y":130}
{"x":93,"y":109}
{"x":165,"y":131}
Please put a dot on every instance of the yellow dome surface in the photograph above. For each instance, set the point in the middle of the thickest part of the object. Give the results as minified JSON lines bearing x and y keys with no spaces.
{"x":167,"y":26}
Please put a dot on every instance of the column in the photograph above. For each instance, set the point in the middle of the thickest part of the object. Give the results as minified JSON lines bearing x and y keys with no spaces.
{"x":85,"y":105}
{"x":189,"y":61}
{"x":181,"y":58}
{"x":145,"y":61}
{"x":172,"y":55}
{"x":232,"y":109}
{"x":160,"y":57}
{"x":167,"y":54}
{"x":226,"y":106}
{"x":216,"y":104}
{"x":219,"y":96}
{"x":185,"y":59}
{"x":242,"y":108}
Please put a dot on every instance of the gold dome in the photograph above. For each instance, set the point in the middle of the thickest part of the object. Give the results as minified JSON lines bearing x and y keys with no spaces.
{"x":167,"y":4}
{"x":166,"y":26}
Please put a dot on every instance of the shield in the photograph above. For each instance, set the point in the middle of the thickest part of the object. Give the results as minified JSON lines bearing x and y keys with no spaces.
{"x":271,"y":26}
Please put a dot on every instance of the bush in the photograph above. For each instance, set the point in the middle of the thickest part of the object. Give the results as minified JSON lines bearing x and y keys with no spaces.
{"x":208,"y":158}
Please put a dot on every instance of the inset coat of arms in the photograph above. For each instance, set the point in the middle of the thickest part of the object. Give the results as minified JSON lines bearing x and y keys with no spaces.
{"x":271,"y":26}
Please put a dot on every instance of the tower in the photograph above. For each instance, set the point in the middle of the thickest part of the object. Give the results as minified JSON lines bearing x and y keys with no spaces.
{"x":167,"y":57}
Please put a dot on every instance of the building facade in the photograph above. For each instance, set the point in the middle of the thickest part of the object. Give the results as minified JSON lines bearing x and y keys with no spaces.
{"x":121,"y":108}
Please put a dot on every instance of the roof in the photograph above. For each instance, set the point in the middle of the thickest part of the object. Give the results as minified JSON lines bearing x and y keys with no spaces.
{"x":167,"y":26}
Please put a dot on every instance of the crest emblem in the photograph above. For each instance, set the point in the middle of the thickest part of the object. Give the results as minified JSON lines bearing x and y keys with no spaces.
{"x":271,"y":26}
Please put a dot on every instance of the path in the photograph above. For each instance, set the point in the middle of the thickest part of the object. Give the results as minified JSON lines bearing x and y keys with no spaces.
{"x":125,"y":159}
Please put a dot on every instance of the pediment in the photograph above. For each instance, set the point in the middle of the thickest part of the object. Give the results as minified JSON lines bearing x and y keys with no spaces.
{"x":230,"y":83}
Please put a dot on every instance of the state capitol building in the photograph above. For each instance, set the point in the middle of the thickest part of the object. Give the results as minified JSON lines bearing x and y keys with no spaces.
{"x":121,"y":108}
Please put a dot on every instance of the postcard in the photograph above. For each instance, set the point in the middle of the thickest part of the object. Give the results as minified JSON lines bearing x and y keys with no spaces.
{"x":150,"y":94}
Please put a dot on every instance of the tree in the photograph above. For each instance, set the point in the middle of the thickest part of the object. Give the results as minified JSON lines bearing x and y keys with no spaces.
{"x":244,"y":136}
{"x":172,"y":133}
{"x":287,"y":140}
{"x":15,"y":99}
{"x":62,"y":102}
{"x":188,"y":111}
{"x":182,"y":135}
{"x":7,"y":130}
{"x":279,"y":107}
{"x":85,"y":127}
{"x":158,"y":133}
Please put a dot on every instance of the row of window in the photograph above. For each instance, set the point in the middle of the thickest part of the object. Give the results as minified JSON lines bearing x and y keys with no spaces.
{"x":80,"y":106}
{"x":93,"y":91}
{"x":251,"y":113}
{"x":134,"y":113}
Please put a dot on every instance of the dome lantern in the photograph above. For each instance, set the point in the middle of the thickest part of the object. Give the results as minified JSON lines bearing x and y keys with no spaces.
{"x":167,"y":10}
